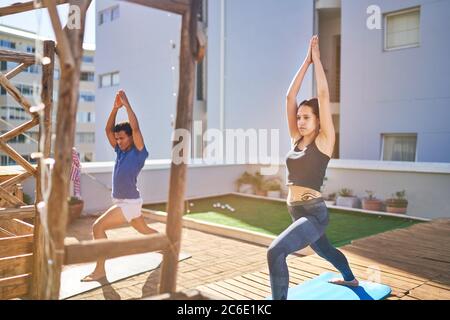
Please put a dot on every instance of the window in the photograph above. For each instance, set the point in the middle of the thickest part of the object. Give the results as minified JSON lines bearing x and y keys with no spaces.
{"x":399,"y":147}
{"x":33,"y":69}
{"x":105,"y":80}
{"x":3,"y":66}
{"x":115,"y":79}
{"x":109,"y":79}
{"x":115,"y":13}
{"x":7,"y":44}
{"x":25,"y":89}
{"x":31,"y":49}
{"x":17,"y":139}
{"x":87,"y":76}
{"x":402,"y":29}
{"x":85,"y":117}
{"x":87,"y":97}
{"x":2,"y":91}
{"x":108,"y":15}
{"x":88,"y":59}
{"x":85,"y":137}
{"x":200,"y":77}
{"x":13,"y":113}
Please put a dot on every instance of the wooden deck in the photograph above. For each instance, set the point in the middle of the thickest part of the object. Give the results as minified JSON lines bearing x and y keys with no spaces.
{"x":414,"y":262}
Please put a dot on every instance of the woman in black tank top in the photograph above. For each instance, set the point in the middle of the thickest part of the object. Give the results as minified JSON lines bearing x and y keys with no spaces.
{"x":306,"y":166}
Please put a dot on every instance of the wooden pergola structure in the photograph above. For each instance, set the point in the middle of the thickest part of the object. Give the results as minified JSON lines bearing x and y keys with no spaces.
{"x":38,"y":253}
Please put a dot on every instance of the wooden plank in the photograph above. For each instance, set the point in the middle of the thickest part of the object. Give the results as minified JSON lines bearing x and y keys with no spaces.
{"x":421,"y":258}
{"x":251,"y":291}
{"x":359,"y":260}
{"x":14,"y":72}
{"x":423,"y":242}
{"x":19,"y":57}
{"x":255,"y":284}
{"x":17,"y":213}
{"x":235,"y":288}
{"x":23,"y":7}
{"x":17,"y":157}
{"x":20,"y":129}
{"x":5,"y":233}
{"x":15,"y":93}
{"x":262,"y":281}
{"x":17,"y":227}
{"x":7,"y":196}
{"x":14,"y":246}
{"x":293,"y":280}
{"x":14,"y":287}
{"x":174,"y":6}
{"x":13,"y":266}
{"x":15,"y":180}
{"x":91,"y":250}
{"x":226,"y":291}
{"x":418,"y":268}
{"x":217,"y":295}
{"x":427,"y":292}
{"x":252,"y":286}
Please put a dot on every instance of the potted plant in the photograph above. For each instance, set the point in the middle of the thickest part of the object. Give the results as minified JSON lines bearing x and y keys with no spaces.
{"x":75,"y":208}
{"x":330,"y":200}
{"x":347,"y":199}
{"x":273,"y":188}
{"x":258,"y":184}
{"x":398,"y":203}
{"x":245,"y":183}
{"x":371,"y":202}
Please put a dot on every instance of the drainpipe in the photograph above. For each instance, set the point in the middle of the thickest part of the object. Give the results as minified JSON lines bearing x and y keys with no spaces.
{"x":222,"y":66}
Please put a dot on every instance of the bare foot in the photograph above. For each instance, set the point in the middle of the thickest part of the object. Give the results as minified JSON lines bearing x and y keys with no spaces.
{"x":93,"y":277}
{"x":353,"y":283}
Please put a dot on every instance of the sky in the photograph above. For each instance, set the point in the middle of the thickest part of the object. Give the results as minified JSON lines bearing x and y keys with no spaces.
{"x":38,"y":21}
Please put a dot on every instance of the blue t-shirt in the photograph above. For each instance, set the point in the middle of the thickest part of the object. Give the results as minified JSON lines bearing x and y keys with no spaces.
{"x":128,"y":165}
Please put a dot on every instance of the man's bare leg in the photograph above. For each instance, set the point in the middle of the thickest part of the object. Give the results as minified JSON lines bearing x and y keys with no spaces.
{"x":111,"y":219}
{"x":140,"y":226}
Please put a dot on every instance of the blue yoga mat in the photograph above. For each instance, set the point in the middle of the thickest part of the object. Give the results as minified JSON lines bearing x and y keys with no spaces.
{"x":319,"y":289}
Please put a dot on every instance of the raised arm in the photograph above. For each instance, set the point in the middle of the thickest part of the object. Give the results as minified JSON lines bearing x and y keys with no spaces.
{"x":109,"y":129}
{"x":137,"y":135}
{"x":291,"y":96}
{"x":326,"y":119}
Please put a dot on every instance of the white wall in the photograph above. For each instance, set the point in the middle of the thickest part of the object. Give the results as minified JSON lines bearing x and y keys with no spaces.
{"x":138,"y":45}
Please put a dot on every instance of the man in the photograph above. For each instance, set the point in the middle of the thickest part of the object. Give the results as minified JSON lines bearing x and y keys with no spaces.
{"x":128,"y":143}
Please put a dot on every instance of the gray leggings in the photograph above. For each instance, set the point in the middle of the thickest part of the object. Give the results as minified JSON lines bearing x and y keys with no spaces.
{"x":310,"y":219}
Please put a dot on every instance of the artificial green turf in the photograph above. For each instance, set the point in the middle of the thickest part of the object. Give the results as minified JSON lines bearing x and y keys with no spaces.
{"x":271,"y":218}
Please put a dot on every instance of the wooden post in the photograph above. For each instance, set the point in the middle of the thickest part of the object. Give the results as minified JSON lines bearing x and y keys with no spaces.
{"x":37,"y":289}
{"x":57,"y":206}
{"x":178,"y":171}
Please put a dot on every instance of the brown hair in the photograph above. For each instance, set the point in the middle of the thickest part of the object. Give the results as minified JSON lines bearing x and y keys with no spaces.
{"x":313,"y":104}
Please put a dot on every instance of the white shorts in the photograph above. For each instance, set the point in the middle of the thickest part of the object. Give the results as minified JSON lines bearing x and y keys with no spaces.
{"x":131,"y":208}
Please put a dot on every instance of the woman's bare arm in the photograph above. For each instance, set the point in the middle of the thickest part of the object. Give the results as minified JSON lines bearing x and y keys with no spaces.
{"x":291,"y":96}
{"x":326,"y":119}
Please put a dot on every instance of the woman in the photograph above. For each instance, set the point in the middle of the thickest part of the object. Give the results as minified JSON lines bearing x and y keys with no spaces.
{"x":312,"y":139}
{"x":128,"y":143}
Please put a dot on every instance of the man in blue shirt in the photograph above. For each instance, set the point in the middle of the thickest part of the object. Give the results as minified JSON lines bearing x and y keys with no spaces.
{"x":128,"y":143}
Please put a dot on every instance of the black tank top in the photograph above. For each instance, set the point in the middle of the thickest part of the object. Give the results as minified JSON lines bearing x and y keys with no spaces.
{"x":306,"y":168}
